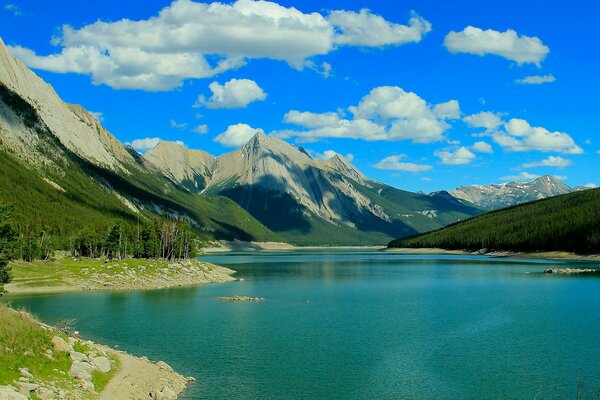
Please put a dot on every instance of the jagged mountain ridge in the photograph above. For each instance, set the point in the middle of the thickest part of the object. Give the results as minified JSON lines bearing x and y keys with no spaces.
{"x":292,"y":193}
{"x":266,"y":190}
{"x":502,"y":195}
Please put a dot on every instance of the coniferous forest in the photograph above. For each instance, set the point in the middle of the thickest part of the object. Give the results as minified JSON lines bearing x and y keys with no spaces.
{"x":565,"y":223}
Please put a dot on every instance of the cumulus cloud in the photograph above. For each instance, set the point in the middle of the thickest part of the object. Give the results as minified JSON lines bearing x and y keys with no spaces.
{"x":394,"y":163}
{"x":311,"y":120}
{"x":482,"y":147}
{"x":519,"y":135}
{"x":385,"y":113}
{"x":522,"y":177}
{"x":145,"y":144}
{"x":552,"y":161}
{"x":367,"y":29}
{"x":201,"y":129}
{"x":237,"y":135}
{"x":536,"y":79}
{"x":460,"y":156}
{"x":508,"y":44}
{"x":329,"y":154}
{"x":189,"y":39}
{"x":484,"y":119}
{"x":237,"y":93}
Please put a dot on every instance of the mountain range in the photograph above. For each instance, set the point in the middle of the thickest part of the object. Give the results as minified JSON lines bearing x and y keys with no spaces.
{"x":64,"y":170}
{"x":496,"y":196}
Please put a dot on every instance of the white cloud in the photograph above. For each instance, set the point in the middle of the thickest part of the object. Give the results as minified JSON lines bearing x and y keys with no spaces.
{"x":237,"y":135}
{"x":447,"y":110}
{"x":519,"y":135}
{"x":508,"y":44}
{"x":484,"y":119}
{"x":460,"y":156}
{"x":590,"y":185}
{"x":552,"y":161}
{"x":145,"y":144}
{"x":178,"y":125}
{"x":98,"y":115}
{"x":14,"y":10}
{"x":367,"y":29}
{"x":482,"y":147}
{"x":394,"y":163}
{"x":237,"y":93}
{"x":328,"y":154}
{"x":385,"y":113}
{"x":537,"y":79}
{"x":523,"y":176}
{"x":191,"y":40}
{"x":201,"y":129}
{"x":311,"y":120}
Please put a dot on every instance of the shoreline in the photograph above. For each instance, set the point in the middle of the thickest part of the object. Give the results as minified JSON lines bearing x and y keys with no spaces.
{"x":546,"y":255}
{"x":237,"y":245}
{"x":124,"y":277}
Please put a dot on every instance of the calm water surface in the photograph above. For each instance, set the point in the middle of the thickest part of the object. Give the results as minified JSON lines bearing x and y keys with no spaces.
{"x":359,"y":325}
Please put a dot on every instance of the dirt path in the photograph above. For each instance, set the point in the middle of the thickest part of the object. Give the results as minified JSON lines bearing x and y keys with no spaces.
{"x":138,"y":378}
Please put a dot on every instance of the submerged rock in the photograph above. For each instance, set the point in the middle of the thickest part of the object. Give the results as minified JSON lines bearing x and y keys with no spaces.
{"x":240,"y":298}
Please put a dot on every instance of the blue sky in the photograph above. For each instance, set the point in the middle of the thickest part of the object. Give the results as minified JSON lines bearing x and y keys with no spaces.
{"x":330,"y":77}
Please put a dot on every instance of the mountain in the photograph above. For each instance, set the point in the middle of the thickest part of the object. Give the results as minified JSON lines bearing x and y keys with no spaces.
{"x":502,"y":195}
{"x":304,"y":200}
{"x":66,"y":172}
{"x":564,"y":223}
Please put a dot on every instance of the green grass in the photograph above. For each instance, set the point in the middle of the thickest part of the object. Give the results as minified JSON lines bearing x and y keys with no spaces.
{"x":101,"y":379}
{"x":23,"y":344}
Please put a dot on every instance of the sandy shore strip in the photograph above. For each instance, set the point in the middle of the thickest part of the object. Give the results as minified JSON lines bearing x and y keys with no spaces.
{"x":117,"y":275}
{"x":238,"y":245}
{"x":548,"y":255}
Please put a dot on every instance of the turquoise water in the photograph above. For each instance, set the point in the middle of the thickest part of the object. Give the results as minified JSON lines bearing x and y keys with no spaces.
{"x":360,"y":325}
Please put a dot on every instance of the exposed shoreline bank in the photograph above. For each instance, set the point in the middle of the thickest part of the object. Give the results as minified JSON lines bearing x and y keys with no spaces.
{"x":118,"y":275}
{"x":548,"y":255}
{"x":93,"y":371}
{"x":237,"y":245}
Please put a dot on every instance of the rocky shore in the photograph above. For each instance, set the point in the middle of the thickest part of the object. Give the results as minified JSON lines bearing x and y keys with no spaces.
{"x":131,"y":274}
{"x":240,"y":298}
{"x":572,"y":271}
{"x":46,"y":364}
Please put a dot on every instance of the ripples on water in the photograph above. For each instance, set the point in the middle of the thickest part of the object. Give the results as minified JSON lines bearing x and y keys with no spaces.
{"x":360,"y":325}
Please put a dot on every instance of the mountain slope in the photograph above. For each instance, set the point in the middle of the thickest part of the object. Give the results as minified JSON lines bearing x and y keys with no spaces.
{"x":309,"y":201}
{"x":64,"y":171}
{"x":502,"y":195}
{"x":570,"y":222}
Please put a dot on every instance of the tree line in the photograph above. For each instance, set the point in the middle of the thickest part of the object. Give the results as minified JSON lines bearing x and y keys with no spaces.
{"x":162,"y":238}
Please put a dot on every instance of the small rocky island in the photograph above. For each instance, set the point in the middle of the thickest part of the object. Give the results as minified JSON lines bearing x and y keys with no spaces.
{"x":240,"y":298}
{"x":572,"y":271}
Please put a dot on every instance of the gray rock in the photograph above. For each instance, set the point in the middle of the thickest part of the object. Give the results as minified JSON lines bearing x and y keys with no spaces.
{"x":87,"y":386}
{"x":164,"y":366}
{"x":75,"y":356}
{"x":25,"y":372}
{"x":26,"y":388}
{"x":168,"y":393}
{"x":11,"y":393}
{"x":61,"y":345}
{"x":81,"y":370}
{"x":102,"y":364}
{"x":71,"y":340}
{"x":45,"y":394}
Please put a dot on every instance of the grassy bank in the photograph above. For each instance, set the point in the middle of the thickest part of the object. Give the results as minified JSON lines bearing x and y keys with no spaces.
{"x":71,"y":274}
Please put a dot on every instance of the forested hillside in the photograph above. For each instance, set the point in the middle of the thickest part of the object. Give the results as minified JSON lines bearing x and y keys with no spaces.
{"x":565,"y":223}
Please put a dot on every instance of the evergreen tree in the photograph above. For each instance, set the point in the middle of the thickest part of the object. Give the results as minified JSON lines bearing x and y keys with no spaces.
{"x":7,"y":241}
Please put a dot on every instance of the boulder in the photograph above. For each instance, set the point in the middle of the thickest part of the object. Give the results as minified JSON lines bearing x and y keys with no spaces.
{"x":164,"y":366}
{"x":102,"y":364}
{"x":168,"y":393}
{"x":61,"y":345}
{"x":81,"y":370}
{"x":75,"y":356}
{"x":25,"y":372}
{"x":11,"y":393}
{"x":45,"y":394}
{"x":26,"y":387}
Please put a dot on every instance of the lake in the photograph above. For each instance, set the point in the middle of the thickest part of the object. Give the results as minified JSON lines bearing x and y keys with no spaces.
{"x":355,"y":324}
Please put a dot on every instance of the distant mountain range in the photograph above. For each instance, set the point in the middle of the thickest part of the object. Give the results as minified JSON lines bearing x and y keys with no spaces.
{"x":570,"y":222}
{"x":62,"y":169}
{"x":492,"y":197}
